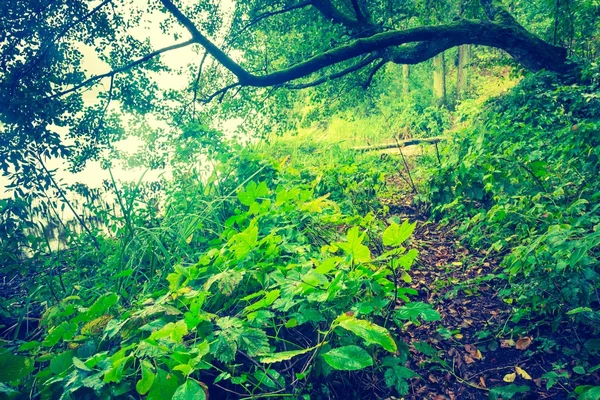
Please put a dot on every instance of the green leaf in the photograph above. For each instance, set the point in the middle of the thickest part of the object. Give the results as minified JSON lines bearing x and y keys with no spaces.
{"x":224,"y":348}
{"x":266,"y":301}
{"x":416,"y":310}
{"x":354,"y":247}
{"x":579,"y":370}
{"x":579,"y":310}
{"x":507,"y":392}
{"x":592,"y":345}
{"x":396,"y":234}
{"x":244,"y":242}
{"x":426,"y":349}
{"x":144,"y":384}
{"x":254,"y":341}
{"x":371,"y":333}
{"x":62,"y":331}
{"x":174,"y":331}
{"x":253,"y":192}
{"x":588,"y":392}
{"x":190,"y":390}
{"x":102,"y":305}
{"x":284,"y":355}
{"x":14,"y":368}
{"x":348,"y":358}
{"x":61,"y":362}
{"x":164,"y":386}
{"x":80,"y":365}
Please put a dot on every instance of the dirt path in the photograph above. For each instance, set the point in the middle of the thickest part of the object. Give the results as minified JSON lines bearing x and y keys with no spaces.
{"x":476,"y":350}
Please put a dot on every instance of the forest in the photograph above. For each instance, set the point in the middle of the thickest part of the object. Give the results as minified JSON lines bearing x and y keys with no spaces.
{"x":300,"y":199}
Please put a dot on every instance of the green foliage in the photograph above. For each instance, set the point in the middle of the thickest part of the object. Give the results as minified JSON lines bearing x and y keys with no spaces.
{"x":526,"y":185}
{"x":289,"y":277}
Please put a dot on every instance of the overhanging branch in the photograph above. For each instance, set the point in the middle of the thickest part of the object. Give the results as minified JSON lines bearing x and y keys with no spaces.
{"x":353,"y":68}
{"x":126,"y":67}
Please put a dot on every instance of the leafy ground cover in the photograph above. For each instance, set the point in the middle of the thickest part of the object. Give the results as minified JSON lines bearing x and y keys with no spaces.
{"x":297,"y":270}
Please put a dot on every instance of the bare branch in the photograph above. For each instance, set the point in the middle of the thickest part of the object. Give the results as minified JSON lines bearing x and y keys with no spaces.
{"x":126,"y":67}
{"x":202,"y":40}
{"x":219,"y":93}
{"x":374,"y":71}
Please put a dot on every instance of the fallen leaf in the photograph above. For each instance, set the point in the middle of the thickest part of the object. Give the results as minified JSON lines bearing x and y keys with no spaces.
{"x":482,"y":381}
{"x":507,"y":343}
{"x":458,"y":336}
{"x":522,"y":373}
{"x":469,"y":360}
{"x":473,"y":351}
{"x":509,"y":377}
{"x":523,"y":343}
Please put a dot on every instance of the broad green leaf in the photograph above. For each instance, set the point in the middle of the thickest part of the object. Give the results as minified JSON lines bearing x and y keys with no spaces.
{"x":144,"y":384}
{"x":254,"y":341}
{"x":164,"y":386}
{"x":348,"y":358}
{"x":14,"y":368}
{"x":244,"y":242}
{"x":252,"y":192}
{"x":115,"y":372}
{"x":81,"y":365}
{"x":507,"y":392}
{"x":396,"y":234}
{"x":61,"y":362}
{"x":413,"y":311}
{"x":102,"y":305}
{"x":63,"y":331}
{"x":266,"y":301}
{"x":175,"y":331}
{"x":588,"y":392}
{"x":190,"y":390}
{"x":224,"y":348}
{"x":354,"y":247}
{"x":426,"y":349}
{"x":370,"y":332}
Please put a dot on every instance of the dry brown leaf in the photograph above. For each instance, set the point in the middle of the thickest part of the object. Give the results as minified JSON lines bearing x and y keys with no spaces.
{"x":523,"y":343}
{"x":482,"y":381}
{"x":510,"y":378}
{"x":522,"y":373}
{"x":507,"y":343}
{"x":473,"y":351}
{"x":469,"y":360}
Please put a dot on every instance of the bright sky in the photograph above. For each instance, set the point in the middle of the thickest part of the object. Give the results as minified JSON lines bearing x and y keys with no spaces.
{"x":93,"y":175}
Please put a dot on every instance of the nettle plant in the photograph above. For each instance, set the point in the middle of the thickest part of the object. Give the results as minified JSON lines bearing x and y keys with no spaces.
{"x":276,"y":307}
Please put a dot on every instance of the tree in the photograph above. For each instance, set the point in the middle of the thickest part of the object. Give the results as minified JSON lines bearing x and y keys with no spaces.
{"x":261,"y":47}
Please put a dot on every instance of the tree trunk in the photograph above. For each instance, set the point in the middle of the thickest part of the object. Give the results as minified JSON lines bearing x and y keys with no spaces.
{"x":462,"y":71}
{"x":405,"y":80}
{"x":439,"y":79}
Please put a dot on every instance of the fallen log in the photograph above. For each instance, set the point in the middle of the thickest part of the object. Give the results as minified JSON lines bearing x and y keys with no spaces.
{"x":400,"y":143}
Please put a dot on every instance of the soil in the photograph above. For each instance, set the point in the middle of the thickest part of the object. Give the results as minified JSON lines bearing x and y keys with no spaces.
{"x":477,"y":344}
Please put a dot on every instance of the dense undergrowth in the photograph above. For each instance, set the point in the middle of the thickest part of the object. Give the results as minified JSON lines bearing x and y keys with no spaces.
{"x":266,"y":281}
{"x":280,"y":274}
{"x":523,"y":182}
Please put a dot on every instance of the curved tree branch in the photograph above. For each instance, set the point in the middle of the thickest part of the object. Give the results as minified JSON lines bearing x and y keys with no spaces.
{"x":353,"y":68}
{"x":408,"y":46}
{"x":374,"y":71}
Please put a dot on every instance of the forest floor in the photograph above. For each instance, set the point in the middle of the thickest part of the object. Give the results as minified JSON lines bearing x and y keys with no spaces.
{"x":477,"y":350}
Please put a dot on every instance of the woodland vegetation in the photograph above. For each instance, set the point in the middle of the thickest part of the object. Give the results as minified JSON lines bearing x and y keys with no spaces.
{"x":367,"y":199}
